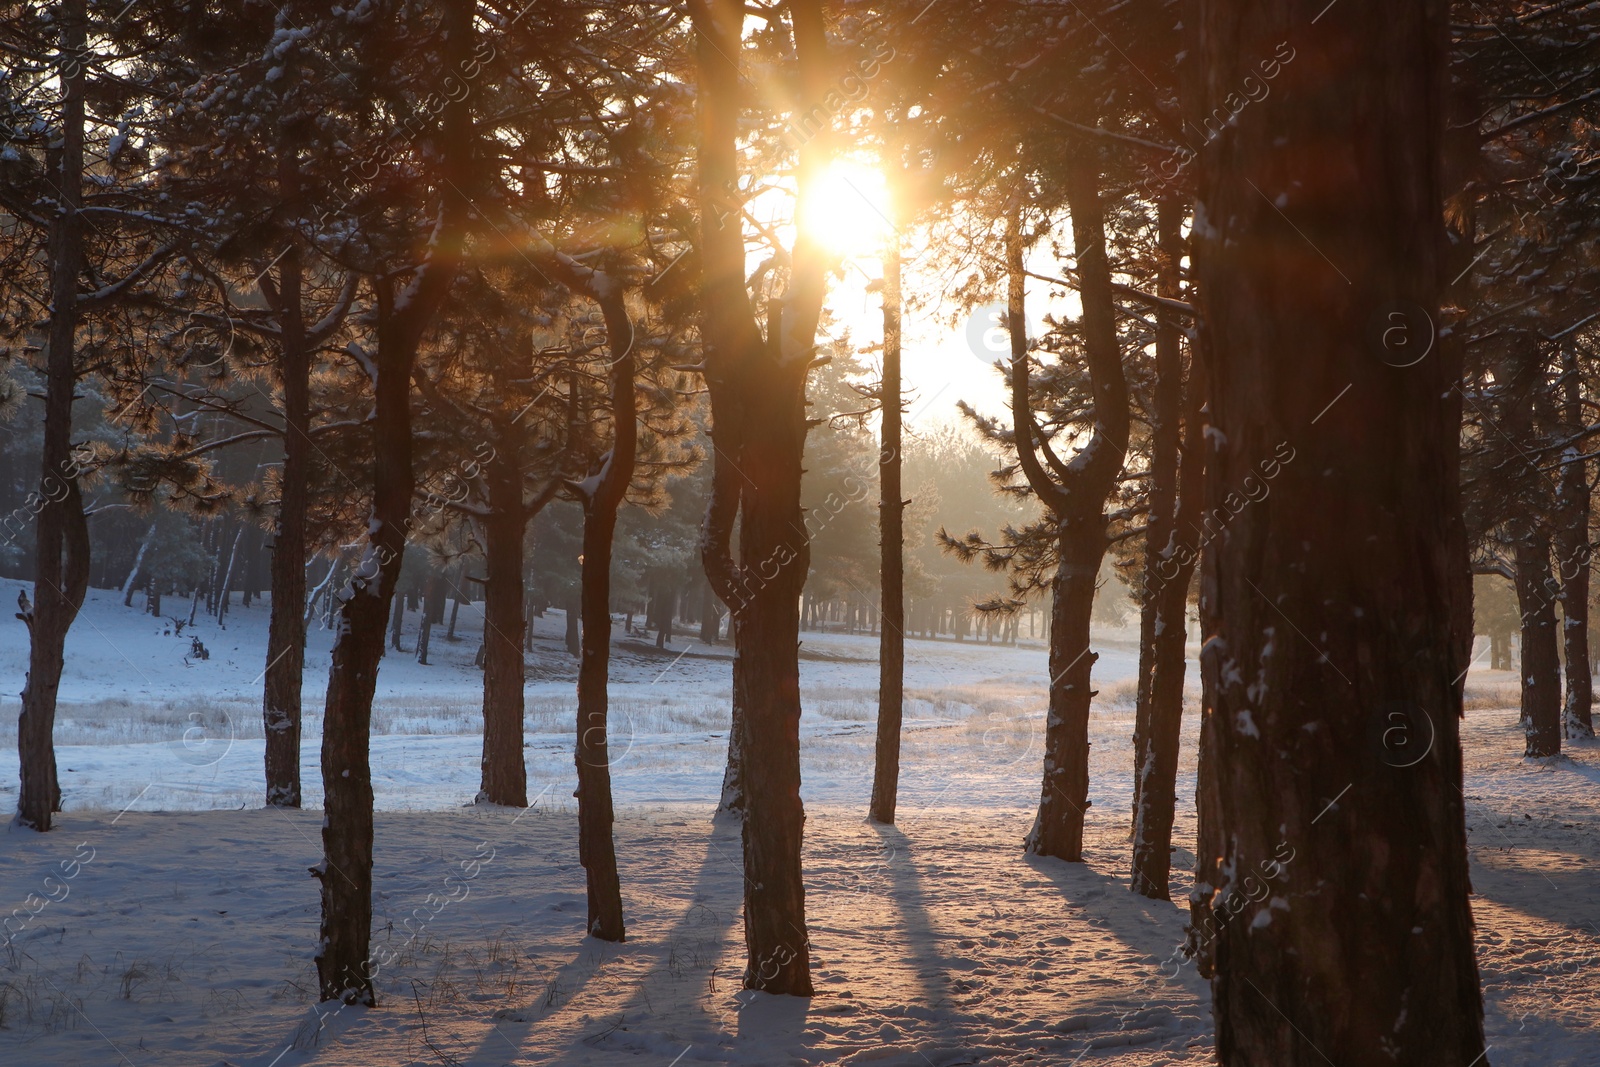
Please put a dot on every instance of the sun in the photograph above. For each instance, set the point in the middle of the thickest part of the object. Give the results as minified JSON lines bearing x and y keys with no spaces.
{"x":850,"y":214}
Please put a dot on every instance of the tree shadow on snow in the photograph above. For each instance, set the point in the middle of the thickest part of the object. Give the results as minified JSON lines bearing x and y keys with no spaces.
{"x":1149,"y":993}
{"x":687,"y":958}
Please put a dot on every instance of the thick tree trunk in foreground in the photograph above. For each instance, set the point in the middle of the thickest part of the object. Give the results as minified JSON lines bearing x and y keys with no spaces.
{"x":504,"y":770}
{"x":891,"y":558}
{"x":1540,"y":671}
{"x":1169,"y":565}
{"x":596,"y":848}
{"x":61,"y":563}
{"x":1332,"y":879}
{"x":286,"y":627}
{"x":1573,"y":555}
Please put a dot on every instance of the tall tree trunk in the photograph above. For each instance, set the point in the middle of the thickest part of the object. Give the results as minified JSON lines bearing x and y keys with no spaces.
{"x":757,"y":385}
{"x":397,"y":623}
{"x":1540,"y":670}
{"x":343,"y":963}
{"x":574,"y":609}
{"x":1332,"y":876}
{"x":767,"y":665}
{"x":504,"y":770}
{"x":1165,"y":433}
{"x":1076,"y":502}
{"x":710,"y":616}
{"x":61,"y":558}
{"x":1169,"y":565}
{"x":286,"y":621}
{"x":138,"y":563}
{"x":1574,"y":555}
{"x":433,"y":595}
{"x":596,"y":848}
{"x":731,"y":800}
{"x":891,"y":554}
{"x":227,"y":575}
{"x":1064,"y":799}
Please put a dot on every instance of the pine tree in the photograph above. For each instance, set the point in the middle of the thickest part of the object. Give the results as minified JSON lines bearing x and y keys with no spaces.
{"x":1335,"y":610}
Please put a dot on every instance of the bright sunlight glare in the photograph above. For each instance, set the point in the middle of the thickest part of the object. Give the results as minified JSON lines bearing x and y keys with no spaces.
{"x":851,"y":212}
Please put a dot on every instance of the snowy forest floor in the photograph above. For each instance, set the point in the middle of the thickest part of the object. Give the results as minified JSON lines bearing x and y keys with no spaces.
{"x":185,"y":934}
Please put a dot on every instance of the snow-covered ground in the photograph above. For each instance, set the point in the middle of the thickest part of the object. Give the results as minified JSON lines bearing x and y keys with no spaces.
{"x":182,"y":934}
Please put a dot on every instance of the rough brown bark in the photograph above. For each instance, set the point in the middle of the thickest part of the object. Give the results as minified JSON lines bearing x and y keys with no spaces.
{"x":343,"y":961}
{"x":1075,"y":494}
{"x":1064,"y":801}
{"x":596,"y":848}
{"x":61,"y":560}
{"x":1331,"y":890}
{"x":1573,"y":556}
{"x":1165,"y":431}
{"x":757,"y":388}
{"x":1540,"y":670}
{"x":432,"y":612}
{"x":504,"y":769}
{"x":891,"y":558}
{"x":397,"y":623}
{"x":778,"y":949}
{"x":1169,"y":565}
{"x":343,"y":966}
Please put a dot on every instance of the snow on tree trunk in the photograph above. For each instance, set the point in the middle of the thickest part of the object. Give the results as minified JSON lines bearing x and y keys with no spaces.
{"x":1064,"y":798}
{"x":131,"y":584}
{"x":227,"y":575}
{"x":1331,"y":888}
{"x":343,"y":966}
